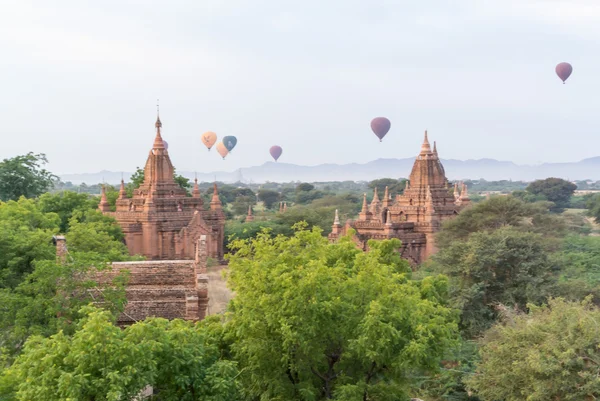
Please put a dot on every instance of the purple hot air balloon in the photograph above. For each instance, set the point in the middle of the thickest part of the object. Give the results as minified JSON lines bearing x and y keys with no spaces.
{"x":166,"y":144}
{"x":564,"y":70}
{"x":275,"y":151}
{"x":380,"y":126}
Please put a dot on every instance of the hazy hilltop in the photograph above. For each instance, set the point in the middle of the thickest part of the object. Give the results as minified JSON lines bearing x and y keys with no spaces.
{"x":488,"y":169}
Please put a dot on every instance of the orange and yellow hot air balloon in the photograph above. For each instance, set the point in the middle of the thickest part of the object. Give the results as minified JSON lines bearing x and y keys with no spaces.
{"x":208,"y":139}
{"x":222,"y":150}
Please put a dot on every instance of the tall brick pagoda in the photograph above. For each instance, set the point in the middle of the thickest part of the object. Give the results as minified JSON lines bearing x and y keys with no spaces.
{"x":160,"y":221}
{"x":413,"y":217}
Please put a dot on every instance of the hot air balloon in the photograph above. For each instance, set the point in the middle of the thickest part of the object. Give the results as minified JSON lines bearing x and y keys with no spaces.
{"x":166,"y":144}
{"x":208,"y":139}
{"x":222,"y":150}
{"x":229,"y":142}
{"x":564,"y":70}
{"x":380,"y":126}
{"x":275,"y":152}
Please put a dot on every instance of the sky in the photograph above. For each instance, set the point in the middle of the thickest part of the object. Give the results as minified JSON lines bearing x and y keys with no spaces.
{"x":81,"y":78}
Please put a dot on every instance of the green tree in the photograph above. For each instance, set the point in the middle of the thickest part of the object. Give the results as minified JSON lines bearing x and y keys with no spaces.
{"x":92,"y":231}
{"x":313,"y":320}
{"x":499,"y":211}
{"x":25,"y":236}
{"x":64,"y":204}
{"x":24,"y":176}
{"x":505,"y":266}
{"x":593,"y":207}
{"x":551,"y":353}
{"x":50,"y":298}
{"x":395,"y":187}
{"x":102,"y":362}
{"x":305,"y":187}
{"x":556,"y":190}
{"x":268,"y":197}
{"x":241,"y":203}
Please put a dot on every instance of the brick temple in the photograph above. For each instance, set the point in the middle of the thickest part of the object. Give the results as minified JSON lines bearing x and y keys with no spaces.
{"x":160,"y":221}
{"x":413,"y":217}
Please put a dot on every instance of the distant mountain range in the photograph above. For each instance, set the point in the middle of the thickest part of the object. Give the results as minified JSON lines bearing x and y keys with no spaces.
{"x":489,"y":169}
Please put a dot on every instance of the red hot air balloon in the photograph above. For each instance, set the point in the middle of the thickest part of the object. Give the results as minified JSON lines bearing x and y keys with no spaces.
{"x":380,"y":127}
{"x":564,"y":70}
{"x":275,"y":151}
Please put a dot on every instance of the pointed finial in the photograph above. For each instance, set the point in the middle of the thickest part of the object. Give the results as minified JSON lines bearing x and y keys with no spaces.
{"x":103,"y":205}
{"x":122,"y":193}
{"x":388,"y":220}
{"x":215,"y":202}
{"x":375,"y":196}
{"x":435,"y":148}
{"x":336,"y":219}
{"x":196,"y":190}
{"x":249,"y":210}
{"x":425,"y":148}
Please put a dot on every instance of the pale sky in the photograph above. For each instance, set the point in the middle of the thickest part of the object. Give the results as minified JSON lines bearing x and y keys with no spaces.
{"x":80,"y":80}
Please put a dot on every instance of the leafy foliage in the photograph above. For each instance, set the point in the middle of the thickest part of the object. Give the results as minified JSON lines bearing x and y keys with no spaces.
{"x":268,"y":197}
{"x":25,"y":236}
{"x":49,"y":299}
{"x":499,"y":211}
{"x":102,"y":362}
{"x":593,"y":206}
{"x":549,"y":354}
{"x":313,"y":320}
{"x":64,"y":204}
{"x":556,"y":190}
{"x":505,"y":266}
{"x":24,"y":176}
{"x":395,"y":187}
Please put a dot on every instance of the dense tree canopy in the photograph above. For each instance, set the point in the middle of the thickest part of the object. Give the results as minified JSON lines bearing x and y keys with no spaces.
{"x":395,"y":187}
{"x":556,"y":190}
{"x":506,"y":266}
{"x":100,"y":361}
{"x":551,"y":353}
{"x":24,"y":176}
{"x":313,"y":320}
{"x":268,"y":197}
{"x":64,"y":204}
{"x":500,"y":211}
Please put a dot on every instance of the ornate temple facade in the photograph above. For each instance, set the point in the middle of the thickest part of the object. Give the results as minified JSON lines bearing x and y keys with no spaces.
{"x":160,"y":221}
{"x":413,"y":217}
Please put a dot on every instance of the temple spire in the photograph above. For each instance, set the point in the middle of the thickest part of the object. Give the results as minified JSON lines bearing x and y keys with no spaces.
{"x":196,"y":190}
{"x":215,"y":202}
{"x":375,"y":196}
{"x":249,"y":216}
{"x":464,"y":194}
{"x":435,"y":148}
{"x":336,"y":219}
{"x":103,"y":206}
{"x":425,"y":148}
{"x":122,"y":193}
{"x":456,"y":193}
{"x":386,"y":197}
{"x":158,"y":141}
